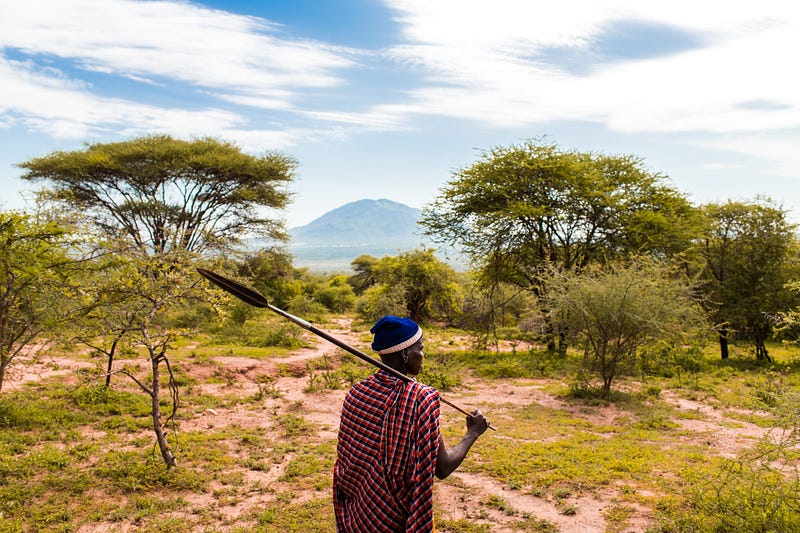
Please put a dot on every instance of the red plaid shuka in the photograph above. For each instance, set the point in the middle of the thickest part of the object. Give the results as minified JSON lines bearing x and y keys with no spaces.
{"x":386,"y":457}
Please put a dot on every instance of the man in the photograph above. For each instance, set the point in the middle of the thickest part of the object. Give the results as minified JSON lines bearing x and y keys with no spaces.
{"x":389,"y":445}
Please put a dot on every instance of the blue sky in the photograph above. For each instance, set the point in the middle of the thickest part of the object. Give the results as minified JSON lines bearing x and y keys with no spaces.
{"x":386,"y":98}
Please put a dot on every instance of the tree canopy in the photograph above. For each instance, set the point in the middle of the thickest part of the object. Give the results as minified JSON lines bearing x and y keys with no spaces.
{"x":520,"y":208}
{"x":414,"y":283}
{"x":168,"y":194}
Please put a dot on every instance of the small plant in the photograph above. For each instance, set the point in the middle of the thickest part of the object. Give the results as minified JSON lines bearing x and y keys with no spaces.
{"x":501,"y":504}
{"x":294,"y":426}
{"x":439,"y":371}
{"x":266,"y":388}
{"x":536,"y":525}
{"x":326,"y":379}
{"x":562,"y":493}
{"x":567,"y":509}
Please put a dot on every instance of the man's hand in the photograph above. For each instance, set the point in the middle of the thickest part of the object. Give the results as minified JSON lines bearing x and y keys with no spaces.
{"x":477,"y":423}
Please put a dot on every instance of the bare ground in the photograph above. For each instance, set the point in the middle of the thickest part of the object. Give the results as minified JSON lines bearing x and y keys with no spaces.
{"x":458,"y":497}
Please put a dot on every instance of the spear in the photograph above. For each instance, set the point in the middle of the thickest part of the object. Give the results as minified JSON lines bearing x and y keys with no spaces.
{"x":256,"y":299}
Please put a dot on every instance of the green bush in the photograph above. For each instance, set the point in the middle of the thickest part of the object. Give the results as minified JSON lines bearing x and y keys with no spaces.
{"x":441,"y":371}
{"x":307,"y":308}
{"x":740,"y":497}
{"x":259,"y":335}
{"x":337,"y":295}
{"x":525,"y":364}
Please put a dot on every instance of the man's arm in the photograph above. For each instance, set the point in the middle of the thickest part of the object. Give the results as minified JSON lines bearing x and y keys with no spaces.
{"x":448,"y":460}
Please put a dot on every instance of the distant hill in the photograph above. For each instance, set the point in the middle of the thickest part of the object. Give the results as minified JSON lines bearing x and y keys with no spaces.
{"x":364,"y":222}
{"x":375,"y":227}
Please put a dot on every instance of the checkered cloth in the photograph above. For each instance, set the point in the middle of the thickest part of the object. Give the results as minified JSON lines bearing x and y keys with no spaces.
{"x":386,"y":457}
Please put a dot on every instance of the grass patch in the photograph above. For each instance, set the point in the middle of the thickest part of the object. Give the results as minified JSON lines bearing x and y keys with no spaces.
{"x":294,"y":425}
{"x":315,"y":516}
{"x":38,"y":410}
{"x":556,"y":450}
{"x":312,"y":466}
{"x":130,"y":472}
{"x":105,"y":401}
{"x":257,"y":334}
{"x":531,"y":363}
{"x":461,"y":526}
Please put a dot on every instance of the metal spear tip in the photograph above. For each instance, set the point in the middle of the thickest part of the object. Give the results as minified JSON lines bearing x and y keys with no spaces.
{"x":244,"y":293}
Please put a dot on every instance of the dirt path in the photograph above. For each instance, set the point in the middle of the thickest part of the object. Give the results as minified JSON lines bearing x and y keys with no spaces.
{"x":32,"y":369}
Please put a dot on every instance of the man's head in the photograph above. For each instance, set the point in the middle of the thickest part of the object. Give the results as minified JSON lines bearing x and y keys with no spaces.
{"x":399,"y":337}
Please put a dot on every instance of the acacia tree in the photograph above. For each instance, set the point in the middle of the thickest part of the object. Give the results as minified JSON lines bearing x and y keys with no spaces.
{"x":273,"y":275}
{"x":521,"y":208}
{"x":788,"y":322}
{"x":362,"y":278}
{"x":128,"y":300}
{"x":614,"y":311}
{"x":747,"y":249}
{"x":166,"y":194}
{"x":146,"y":290}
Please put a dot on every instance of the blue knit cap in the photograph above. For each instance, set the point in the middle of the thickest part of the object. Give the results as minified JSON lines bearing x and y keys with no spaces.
{"x":393,"y":334}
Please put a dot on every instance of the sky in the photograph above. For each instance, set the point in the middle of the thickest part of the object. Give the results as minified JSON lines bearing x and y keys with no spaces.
{"x":388,"y":98}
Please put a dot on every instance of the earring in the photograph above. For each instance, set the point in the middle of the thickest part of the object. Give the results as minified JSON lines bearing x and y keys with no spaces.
{"x":405,"y":356}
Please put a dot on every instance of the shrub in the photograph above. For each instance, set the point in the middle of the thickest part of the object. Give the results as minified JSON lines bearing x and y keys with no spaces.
{"x":380,"y":300}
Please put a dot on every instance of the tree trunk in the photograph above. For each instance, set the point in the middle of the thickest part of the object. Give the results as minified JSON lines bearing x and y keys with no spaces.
{"x":723,"y":342}
{"x":550,"y":335}
{"x":110,"y":362}
{"x":562,"y":344}
{"x":761,"y":349}
{"x":158,"y":428}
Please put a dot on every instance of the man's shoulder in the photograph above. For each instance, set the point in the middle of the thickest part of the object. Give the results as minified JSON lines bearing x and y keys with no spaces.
{"x":425,"y":392}
{"x":377,"y":383}
{"x":366,"y":384}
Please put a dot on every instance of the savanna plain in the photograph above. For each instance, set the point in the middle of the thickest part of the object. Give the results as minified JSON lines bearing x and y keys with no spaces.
{"x":696,"y":445}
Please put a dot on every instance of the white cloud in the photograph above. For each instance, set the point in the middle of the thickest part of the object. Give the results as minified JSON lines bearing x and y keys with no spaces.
{"x":380,"y":118}
{"x":61,"y":108}
{"x":173,"y":40}
{"x":259,"y":140}
{"x":491,"y":63}
{"x":778,"y":147}
{"x":51,"y":104}
{"x":488,"y":62}
{"x":234,"y":59}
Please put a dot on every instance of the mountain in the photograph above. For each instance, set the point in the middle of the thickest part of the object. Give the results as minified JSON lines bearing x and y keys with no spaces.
{"x":379,"y":223}
{"x":374,"y":227}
